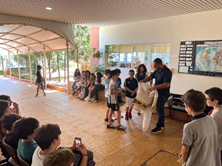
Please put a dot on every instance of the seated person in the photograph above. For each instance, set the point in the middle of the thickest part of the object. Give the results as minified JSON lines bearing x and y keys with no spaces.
{"x":4,"y":109}
{"x":64,"y":157}
{"x":48,"y":140}
{"x":25,"y":129}
{"x":13,"y":106}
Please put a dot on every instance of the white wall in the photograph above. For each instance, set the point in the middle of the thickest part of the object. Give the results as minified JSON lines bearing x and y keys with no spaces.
{"x":173,"y":30}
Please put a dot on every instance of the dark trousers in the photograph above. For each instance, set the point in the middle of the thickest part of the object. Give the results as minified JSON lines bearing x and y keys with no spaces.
{"x":96,"y":89}
{"x":160,"y":110}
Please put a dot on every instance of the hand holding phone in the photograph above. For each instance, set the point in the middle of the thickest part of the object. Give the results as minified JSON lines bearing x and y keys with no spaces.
{"x":78,"y":141}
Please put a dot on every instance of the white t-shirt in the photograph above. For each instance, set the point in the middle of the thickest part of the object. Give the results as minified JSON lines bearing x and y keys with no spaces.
{"x":103,"y":81}
{"x":112,"y":86}
{"x":217,"y":116}
{"x":37,"y":158}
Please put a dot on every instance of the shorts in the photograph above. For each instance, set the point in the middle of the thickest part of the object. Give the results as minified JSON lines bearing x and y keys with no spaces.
{"x":107,"y":103}
{"x":114,"y":107}
{"x":39,"y":85}
{"x":119,"y":99}
{"x":129,"y":101}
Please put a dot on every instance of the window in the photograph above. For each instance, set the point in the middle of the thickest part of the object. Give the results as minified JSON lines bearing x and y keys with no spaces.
{"x":140,"y":55}
{"x":126,"y":56}
{"x":113,"y":59}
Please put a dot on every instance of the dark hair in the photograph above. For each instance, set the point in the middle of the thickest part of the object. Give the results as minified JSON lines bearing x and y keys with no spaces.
{"x":144,"y":68}
{"x":7,"y":120}
{"x":94,"y":76}
{"x":98,"y":77}
{"x":107,"y":71}
{"x":77,"y":73}
{"x":25,"y":127}
{"x":195,"y":99}
{"x":38,"y":66}
{"x":113,"y":73}
{"x":3,"y":106}
{"x":46,"y":134}
{"x":87,"y":71}
{"x":118,"y":71}
{"x":158,"y":61}
{"x":131,"y":71}
{"x":215,"y":94}
{"x":61,"y":157}
{"x":4,"y":97}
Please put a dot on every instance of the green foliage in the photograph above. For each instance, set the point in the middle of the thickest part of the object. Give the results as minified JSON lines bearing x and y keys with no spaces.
{"x":98,"y":68}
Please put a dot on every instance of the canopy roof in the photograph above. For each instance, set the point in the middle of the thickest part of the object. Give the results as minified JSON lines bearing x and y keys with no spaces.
{"x":22,"y":34}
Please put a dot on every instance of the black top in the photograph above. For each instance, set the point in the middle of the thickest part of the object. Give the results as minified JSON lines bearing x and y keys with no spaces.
{"x":39,"y":76}
{"x":12,"y":140}
{"x":132,"y":84}
{"x":199,"y":116}
{"x":163,"y":76}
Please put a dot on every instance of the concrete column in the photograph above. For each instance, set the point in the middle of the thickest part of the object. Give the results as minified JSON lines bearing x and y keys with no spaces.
{"x":45,"y":68}
{"x":10,"y":70}
{"x":67,"y":48}
{"x":18,"y":66}
{"x":30,"y":68}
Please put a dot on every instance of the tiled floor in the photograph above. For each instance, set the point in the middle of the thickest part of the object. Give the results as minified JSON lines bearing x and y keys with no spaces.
{"x":85,"y":120}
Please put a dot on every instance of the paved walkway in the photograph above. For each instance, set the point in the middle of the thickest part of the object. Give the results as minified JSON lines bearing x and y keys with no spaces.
{"x":85,"y":120}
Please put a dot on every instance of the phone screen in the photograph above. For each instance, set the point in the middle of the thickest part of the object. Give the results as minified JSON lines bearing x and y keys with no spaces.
{"x":78,"y":141}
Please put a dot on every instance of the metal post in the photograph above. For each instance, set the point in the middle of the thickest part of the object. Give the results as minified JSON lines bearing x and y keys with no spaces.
{"x":30,"y":68}
{"x":18,"y":66}
{"x":67,"y":47}
{"x":10,"y":70}
{"x":45,"y":68}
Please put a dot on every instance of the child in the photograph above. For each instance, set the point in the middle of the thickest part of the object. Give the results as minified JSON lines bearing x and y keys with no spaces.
{"x":48,"y":140}
{"x":76,"y":77}
{"x":141,"y":75}
{"x":119,"y":82}
{"x":131,"y":86}
{"x":12,"y":106}
{"x":39,"y":81}
{"x":113,"y":105}
{"x":200,"y":136}
{"x":63,"y":157}
{"x":25,"y":129}
{"x":214,"y":99}
{"x":90,"y":86}
{"x":99,"y":85}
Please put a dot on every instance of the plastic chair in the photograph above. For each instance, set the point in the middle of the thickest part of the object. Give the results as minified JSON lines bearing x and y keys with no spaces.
{"x":23,"y":162}
{"x":12,"y":152}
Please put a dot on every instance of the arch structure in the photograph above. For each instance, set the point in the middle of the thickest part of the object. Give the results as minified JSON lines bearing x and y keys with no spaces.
{"x":21,"y":35}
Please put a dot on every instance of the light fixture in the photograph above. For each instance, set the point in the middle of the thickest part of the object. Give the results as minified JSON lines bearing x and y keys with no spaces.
{"x":48,"y":8}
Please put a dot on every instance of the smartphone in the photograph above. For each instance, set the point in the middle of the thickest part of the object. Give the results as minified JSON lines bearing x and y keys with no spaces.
{"x":78,"y":141}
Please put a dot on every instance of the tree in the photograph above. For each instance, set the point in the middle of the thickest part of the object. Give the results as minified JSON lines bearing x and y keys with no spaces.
{"x":49,"y":57}
{"x":81,"y":53}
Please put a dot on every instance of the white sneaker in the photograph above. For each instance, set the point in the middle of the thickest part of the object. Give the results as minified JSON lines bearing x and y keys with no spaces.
{"x":95,"y":101}
{"x":92,"y":100}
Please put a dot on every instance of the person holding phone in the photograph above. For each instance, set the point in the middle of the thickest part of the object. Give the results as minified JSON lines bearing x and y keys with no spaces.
{"x":48,"y":140}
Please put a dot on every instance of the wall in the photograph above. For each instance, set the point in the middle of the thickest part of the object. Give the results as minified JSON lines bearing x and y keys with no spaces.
{"x":94,"y":43}
{"x":199,"y":26}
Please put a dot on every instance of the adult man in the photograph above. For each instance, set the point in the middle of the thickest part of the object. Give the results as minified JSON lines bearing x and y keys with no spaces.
{"x":163,"y":77}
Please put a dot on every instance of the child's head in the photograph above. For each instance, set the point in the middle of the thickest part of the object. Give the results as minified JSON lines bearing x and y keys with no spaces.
{"x":141,"y":69}
{"x":83,"y":73}
{"x":214,"y":96}
{"x":118,"y":71}
{"x":87,"y":73}
{"x":39,"y":67}
{"x":107,"y":73}
{"x":8,"y":120}
{"x":131,"y":73}
{"x":92,"y":76}
{"x":98,"y":77}
{"x":113,"y":75}
{"x":77,"y":73}
{"x":25,"y":128}
{"x":4,"y":108}
{"x":48,"y":136}
{"x":194,"y":101}
{"x":6,"y":98}
{"x":61,"y":157}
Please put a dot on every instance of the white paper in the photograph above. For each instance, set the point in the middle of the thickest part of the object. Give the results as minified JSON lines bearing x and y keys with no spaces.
{"x":183,"y":69}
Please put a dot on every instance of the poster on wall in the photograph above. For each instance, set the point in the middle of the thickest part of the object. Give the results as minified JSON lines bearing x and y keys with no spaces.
{"x":201,"y":57}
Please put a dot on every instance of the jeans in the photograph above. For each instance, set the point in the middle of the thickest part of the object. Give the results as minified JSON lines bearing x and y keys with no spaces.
{"x":96,"y":89}
{"x":160,"y":110}
{"x":73,"y":85}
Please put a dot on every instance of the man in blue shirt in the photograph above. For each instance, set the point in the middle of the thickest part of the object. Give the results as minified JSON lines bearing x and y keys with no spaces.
{"x":163,"y":77}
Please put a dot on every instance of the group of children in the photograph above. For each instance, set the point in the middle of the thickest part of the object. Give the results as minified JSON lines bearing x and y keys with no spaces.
{"x":202,"y":137}
{"x":87,"y":85}
{"x":37,"y":145}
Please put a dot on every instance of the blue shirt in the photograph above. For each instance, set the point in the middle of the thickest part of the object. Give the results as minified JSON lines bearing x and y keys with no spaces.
{"x":106,"y":87}
{"x":119,"y":82}
{"x":163,"y":76}
{"x":132,"y":84}
{"x":141,"y":77}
